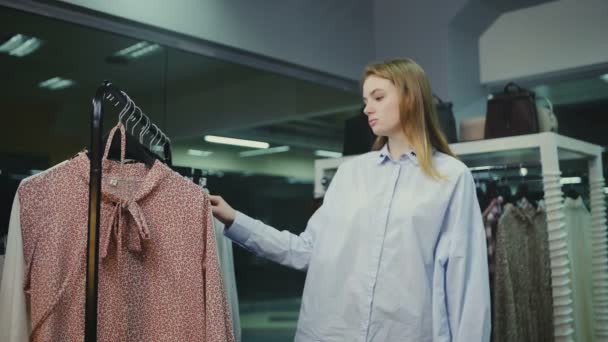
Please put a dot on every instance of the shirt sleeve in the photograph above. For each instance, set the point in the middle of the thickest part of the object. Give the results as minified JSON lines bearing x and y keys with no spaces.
{"x":14,"y":320}
{"x":463,"y":310}
{"x":284,"y":247}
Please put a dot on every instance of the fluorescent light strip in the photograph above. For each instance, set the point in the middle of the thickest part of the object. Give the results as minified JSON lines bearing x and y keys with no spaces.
{"x":20,"y":45}
{"x":26,"y":48}
{"x":145,"y":51}
{"x":271,"y":150}
{"x":138,"y":50}
{"x":604,"y":77}
{"x":56,"y":83}
{"x":199,"y":153}
{"x":236,"y":142}
{"x":12,"y":43}
{"x":570,"y":180}
{"x":327,"y":154}
{"x":480,"y":168}
{"x":126,"y":51}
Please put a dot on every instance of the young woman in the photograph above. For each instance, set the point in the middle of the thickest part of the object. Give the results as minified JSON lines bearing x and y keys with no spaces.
{"x":397,"y":251}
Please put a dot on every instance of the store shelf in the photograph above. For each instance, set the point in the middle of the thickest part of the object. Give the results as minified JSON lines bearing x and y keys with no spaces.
{"x":524,"y":149}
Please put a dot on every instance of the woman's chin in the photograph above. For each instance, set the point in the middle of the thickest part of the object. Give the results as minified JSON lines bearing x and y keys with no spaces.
{"x":378,"y":132}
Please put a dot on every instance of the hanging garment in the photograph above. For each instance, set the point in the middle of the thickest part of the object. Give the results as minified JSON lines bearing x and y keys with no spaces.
{"x":578,"y":224}
{"x":226,"y":258}
{"x":391,"y":255}
{"x":490,"y":221}
{"x":523,"y":305}
{"x":159,"y":277}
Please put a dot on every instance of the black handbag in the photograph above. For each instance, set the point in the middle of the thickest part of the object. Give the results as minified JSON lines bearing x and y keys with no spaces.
{"x":512,"y":112}
{"x":445,"y":114}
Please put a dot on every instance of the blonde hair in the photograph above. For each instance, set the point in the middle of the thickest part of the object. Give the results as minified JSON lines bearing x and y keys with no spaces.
{"x":418,"y":113}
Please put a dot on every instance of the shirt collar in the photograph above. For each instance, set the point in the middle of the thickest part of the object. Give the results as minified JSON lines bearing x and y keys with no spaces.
{"x":384,"y":156}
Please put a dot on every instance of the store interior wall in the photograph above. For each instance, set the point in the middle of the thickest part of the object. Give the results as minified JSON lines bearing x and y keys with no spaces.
{"x":444,"y":39}
{"x":333,"y":36}
{"x":556,"y":37}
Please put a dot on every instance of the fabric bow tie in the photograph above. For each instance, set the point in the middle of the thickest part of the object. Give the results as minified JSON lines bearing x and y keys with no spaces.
{"x":135,"y":232}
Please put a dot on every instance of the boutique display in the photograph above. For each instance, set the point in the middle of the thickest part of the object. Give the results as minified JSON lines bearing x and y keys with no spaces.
{"x":159,"y":271}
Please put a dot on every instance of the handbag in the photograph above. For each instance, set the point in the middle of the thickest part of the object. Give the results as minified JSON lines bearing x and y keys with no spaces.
{"x":445,"y":114}
{"x":512,"y":112}
{"x":472,"y":128}
{"x":547,"y":121}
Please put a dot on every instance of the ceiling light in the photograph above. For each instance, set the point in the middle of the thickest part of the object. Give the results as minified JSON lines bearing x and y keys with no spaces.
{"x":604,"y":77}
{"x":606,"y":190}
{"x":138,"y":50}
{"x":570,"y":180}
{"x":327,"y":154}
{"x":236,"y":142}
{"x":271,"y":150}
{"x":20,"y":45}
{"x":56,"y":83}
{"x":523,"y":171}
{"x":480,"y":168}
{"x":199,"y":153}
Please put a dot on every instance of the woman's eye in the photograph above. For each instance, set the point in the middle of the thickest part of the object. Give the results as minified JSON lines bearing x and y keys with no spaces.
{"x":379,"y":98}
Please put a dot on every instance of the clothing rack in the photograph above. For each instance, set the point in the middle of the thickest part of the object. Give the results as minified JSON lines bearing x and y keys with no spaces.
{"x":550,"y":149}
{"x":107,"y":92}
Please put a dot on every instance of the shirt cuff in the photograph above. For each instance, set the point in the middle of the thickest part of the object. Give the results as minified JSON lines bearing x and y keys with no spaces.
{"x":241,"y":229}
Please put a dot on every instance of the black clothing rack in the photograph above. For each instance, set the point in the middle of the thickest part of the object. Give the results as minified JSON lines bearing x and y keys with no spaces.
{"x":107,"y":92}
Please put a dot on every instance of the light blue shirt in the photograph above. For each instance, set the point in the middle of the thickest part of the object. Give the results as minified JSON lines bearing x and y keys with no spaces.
{"x":391,"y":255}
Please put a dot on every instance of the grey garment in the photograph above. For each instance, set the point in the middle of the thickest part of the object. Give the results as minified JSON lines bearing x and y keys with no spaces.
{"x":523,"y":305}
{"x":226,"y":258}
{"x":578,"y":224}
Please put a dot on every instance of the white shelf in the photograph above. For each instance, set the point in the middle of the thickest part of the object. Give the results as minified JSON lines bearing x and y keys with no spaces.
{"x":522,"y":149}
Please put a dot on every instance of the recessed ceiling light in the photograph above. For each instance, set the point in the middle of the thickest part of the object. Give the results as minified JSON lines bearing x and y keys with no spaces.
{"x":271,"y":150}
{"x":604,"y":77}
{"x":56,"y":83}
{"x":327,"y":154}
{"x":236,"y":142}
{"x":480,"y":168}
{"x":137,"y":50}
{"x":20,"y":45}
{"x":199,"y":153}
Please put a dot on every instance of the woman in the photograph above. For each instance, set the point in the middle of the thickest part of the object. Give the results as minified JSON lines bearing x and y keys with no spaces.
{"x":397,"y":251}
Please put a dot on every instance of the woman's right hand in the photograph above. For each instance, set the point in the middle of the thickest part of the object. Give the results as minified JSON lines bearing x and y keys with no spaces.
{"x":222,"y":210}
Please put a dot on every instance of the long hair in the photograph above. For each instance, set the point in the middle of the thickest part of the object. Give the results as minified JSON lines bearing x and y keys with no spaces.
{"x":418,"y":114}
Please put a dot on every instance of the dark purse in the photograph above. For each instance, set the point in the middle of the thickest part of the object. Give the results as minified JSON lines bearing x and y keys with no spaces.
{"x":512,"y":112}
{"x":445,"y":114}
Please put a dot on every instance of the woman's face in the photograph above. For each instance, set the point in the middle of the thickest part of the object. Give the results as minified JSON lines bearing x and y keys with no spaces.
{"x":381,"y":100}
